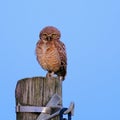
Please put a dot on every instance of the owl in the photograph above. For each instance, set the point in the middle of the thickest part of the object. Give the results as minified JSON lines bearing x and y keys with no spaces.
{"x":51,"y":52}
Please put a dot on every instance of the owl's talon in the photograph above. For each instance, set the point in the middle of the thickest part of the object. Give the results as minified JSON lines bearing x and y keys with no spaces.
{"x":49,"y":75}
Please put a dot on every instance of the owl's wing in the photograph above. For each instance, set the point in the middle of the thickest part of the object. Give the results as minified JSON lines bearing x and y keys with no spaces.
{"x":63,"y":58}
{"x":62,"y":52}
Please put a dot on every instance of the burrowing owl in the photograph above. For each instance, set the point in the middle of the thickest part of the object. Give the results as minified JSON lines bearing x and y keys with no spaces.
{"x":51,"y":52}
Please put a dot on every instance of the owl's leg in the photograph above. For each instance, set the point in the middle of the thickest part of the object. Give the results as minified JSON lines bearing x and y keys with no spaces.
{"x":49,"y":75}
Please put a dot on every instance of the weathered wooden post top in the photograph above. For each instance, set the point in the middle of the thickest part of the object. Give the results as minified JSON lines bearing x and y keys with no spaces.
{"x":40,"y":98}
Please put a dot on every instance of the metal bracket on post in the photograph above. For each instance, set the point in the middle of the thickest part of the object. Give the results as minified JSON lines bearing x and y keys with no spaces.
{"x":20,"y":108}
{"x":53,"y":103}
{"x":51,"y":110}
{"x":63,"y":111}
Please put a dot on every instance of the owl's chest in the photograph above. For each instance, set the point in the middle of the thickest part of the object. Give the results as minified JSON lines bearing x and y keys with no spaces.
{"x":48,"y":57}
{"x":48,"y":51}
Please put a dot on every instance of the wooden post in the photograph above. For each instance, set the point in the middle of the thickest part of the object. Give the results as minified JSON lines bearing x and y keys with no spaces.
{"x":36,"y":91}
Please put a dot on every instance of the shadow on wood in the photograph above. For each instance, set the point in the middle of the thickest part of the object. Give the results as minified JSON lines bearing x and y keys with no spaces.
{"x":36,"y":91}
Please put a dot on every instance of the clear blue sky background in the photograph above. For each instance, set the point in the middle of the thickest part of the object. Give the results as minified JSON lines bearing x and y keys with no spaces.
{"x":91,"y":31}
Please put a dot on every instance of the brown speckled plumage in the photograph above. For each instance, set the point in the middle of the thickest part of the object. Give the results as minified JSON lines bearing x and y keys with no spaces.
{"x":51,"y":53}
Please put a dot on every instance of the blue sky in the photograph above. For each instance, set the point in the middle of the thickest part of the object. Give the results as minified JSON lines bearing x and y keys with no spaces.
{"x":91,"y":32}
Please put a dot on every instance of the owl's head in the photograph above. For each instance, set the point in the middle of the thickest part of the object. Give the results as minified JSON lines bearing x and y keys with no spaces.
{"x":50,"y":33}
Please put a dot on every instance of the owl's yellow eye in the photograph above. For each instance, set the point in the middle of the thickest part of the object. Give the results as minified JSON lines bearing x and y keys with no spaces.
{"x":54,"y":36}
{"x":44,"y":36}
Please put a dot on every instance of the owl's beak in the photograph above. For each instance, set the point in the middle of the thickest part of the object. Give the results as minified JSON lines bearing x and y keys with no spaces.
{"x":48,"y":38}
